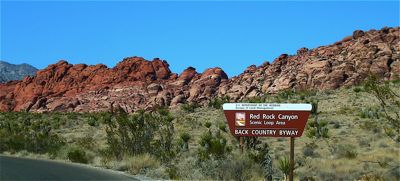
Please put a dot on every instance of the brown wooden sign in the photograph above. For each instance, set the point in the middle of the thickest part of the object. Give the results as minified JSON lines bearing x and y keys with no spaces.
{"x":267,"y":119}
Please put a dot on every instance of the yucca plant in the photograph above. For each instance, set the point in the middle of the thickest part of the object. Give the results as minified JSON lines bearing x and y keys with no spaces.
{"x":284,"y":166}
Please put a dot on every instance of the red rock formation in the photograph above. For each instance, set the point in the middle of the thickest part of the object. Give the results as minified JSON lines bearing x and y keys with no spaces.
{"x":136,"y":83}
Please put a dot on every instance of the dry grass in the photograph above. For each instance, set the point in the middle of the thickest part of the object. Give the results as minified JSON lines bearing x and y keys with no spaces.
{"x":352,"y":151}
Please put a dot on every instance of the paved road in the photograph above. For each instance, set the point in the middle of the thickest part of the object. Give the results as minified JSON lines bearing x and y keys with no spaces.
{"x":12,"y":168}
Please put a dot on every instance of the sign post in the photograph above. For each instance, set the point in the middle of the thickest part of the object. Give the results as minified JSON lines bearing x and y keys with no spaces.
{"x":291,"y":163}
{"x":268,"y":120}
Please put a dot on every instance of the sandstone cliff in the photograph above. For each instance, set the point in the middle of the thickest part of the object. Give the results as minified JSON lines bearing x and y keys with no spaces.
{"x":136,"y":83}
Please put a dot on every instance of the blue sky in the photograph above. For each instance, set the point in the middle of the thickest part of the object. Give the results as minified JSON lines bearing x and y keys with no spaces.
{"x":230,"y":35}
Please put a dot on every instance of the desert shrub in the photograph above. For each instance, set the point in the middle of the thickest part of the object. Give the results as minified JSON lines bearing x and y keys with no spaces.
{"x":351,"y":154}
{"x":371,"y":125}
{"x":103,"y":117}
{"x":317,"y":129}
{"x":188,"y":167}
{"x":389,"y":102}
{"x":394,"y":172}
{"x":141,"y":163}
{"x":306,"y":93}
{"x":30,"y":132}
{"x":251,"y":143}
{"x":357,"y":89}
{"x":207,"y":124}
{"x":184,"y":138}
{"x":258,"y":152}
{"x":218,"y":102}
{"x":163,"y":146}
{"x":212,"y":146}
{"x":336,"y":125}
{"x":159,"y":173}
{"x":140,"y":133}
{"x":383,"y":144}
{"x":77,"y":155}
{"x":344,"y":110}
{"x":92,"y":121}
{"x":286,"y":94}
{"x":189,"y":107}
{"x":238,"y":167}
{"x":370,"y":112}
{"x":72,"y":115}
{"x":309,"y":149}
{"x":371,"y":177}
{"x":257,"y":99}
{"x":222,"y":126}
{"x":284,"y":166}
{"x":364,"y":142}
{"x":172,"y":172}
{"x":345,"y":151}
{"x":86,"y":142}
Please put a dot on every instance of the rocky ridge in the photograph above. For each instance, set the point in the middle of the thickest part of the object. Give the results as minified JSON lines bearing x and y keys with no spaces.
{"x":136,"y":83}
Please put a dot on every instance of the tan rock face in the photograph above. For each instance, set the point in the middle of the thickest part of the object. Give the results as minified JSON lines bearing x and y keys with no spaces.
{"x":136,"y":83}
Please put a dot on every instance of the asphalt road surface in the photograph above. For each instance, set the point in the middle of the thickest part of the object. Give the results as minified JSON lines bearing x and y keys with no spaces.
{"x":12,"y":168}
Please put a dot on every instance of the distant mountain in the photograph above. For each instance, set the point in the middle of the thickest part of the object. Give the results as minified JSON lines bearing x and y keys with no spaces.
{"x":10,"y":71}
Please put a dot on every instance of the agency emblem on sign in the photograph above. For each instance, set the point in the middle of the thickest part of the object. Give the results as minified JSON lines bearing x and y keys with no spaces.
{"x":240,"y":119}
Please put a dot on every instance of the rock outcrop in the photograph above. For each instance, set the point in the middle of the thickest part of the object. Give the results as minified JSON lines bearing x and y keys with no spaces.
{"x":136,"y":83}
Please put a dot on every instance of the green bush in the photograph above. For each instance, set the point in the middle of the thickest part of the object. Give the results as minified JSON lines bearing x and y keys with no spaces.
{"x":140,"y":133}
{"x":218,"y":102}
{"x":77,"y":156}
{"x":222,"y":126}
{"x":286,"y":94}
{"x":284,"y":166}
{"x":30,"y":132}
{"x":185,"y":137}
{"x":317,"y":129}
{"x":305,"y":94}
{"x":212,"y":146}
{"x":86,"y":142}
{"x":190,"y":107}
{"x":370,"y":112}
{"x":207,"y":124}
{"x":251,"y":143}
{"x":357,"y":89}
{"x":92,"y":121}
{"x":240,"y":168}
{"x":172,"y":172}
{"x":309,"y":149}
{"x":389,"y":104}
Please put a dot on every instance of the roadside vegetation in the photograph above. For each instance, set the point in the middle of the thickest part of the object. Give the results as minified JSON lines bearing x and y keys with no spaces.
{"x":352,"y":134}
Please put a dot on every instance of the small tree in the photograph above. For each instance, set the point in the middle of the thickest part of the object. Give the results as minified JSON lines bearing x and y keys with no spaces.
{"x":142,"y":132}
{"x":389,"y":102}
